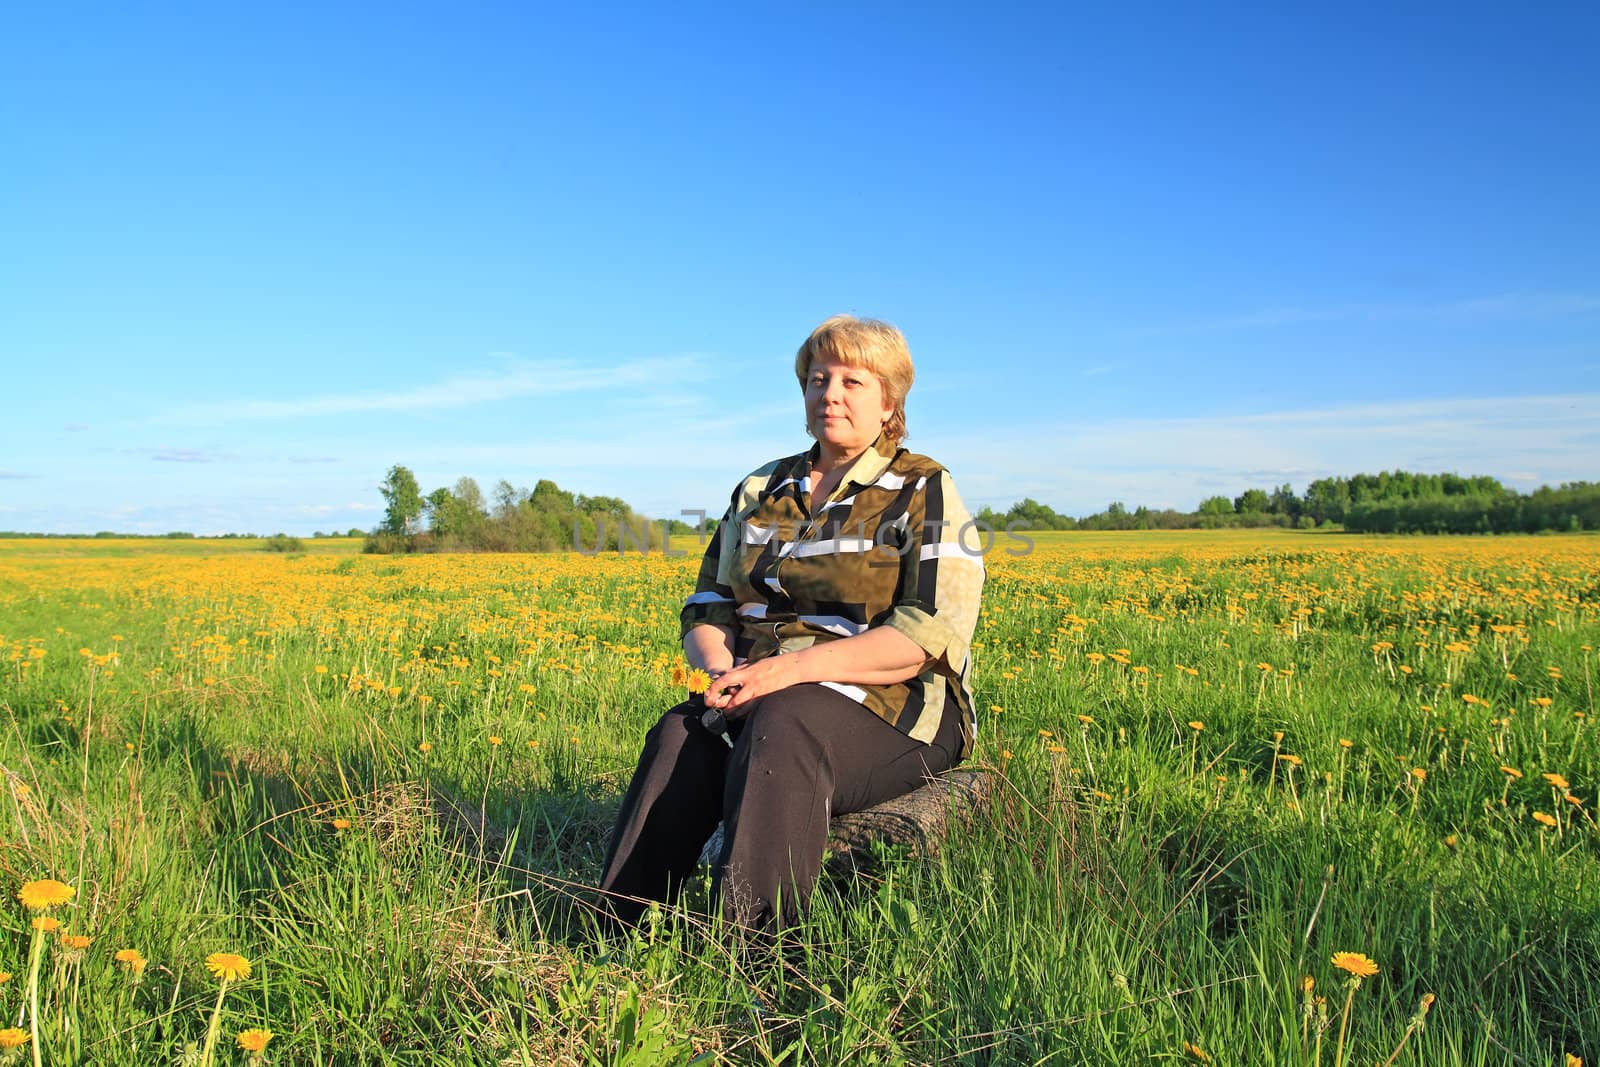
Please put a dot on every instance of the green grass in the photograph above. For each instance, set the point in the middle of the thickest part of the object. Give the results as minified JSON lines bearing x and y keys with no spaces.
{"x":1136,"y":884}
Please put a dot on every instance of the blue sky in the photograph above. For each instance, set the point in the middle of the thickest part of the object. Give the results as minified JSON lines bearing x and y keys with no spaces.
{"x":250,"y":259}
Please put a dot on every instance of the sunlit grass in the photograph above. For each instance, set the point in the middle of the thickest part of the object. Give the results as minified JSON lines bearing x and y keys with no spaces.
{"x":1221,"y":758}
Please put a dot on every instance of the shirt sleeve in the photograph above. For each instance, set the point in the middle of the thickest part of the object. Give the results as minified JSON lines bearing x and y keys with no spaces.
{"x":712,"y":603}
{"x":941,"y":579}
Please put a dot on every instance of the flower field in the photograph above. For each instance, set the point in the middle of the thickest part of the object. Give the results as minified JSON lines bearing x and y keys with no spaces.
{"x":1261,"y":797}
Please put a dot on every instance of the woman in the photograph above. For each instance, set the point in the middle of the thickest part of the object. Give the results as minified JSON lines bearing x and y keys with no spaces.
{"x":833,"y":614}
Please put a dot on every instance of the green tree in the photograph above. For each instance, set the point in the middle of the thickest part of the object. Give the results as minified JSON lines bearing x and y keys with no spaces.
{"x":404,"y":499}
{"x":1284,"y":502}
{"x":1252,"y":502}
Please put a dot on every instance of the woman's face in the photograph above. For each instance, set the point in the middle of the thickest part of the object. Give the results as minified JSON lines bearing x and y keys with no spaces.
{"x":845,"y":406}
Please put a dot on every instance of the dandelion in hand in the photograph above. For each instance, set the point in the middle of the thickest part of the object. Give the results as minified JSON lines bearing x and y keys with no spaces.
{"x":699,"y":681}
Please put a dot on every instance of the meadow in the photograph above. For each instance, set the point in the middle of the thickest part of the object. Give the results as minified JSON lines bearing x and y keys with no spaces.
{"x":1261,"y":797}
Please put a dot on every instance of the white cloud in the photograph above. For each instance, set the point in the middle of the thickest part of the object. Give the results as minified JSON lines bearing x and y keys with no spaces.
{"x":1175,"y":462}
{"x":518,"y":379}
{"x":181,"y":455}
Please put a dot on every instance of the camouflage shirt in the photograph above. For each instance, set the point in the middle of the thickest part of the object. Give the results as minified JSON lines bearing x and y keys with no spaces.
{"x":885,"y":549}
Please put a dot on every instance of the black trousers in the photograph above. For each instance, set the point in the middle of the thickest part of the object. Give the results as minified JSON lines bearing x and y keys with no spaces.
{"x":802,"y":755}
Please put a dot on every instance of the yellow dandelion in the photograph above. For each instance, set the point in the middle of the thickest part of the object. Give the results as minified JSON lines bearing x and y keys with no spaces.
{"x":5,"y":976}
{"x":46,"y":923}
{"x":1290,"y":758}
{"x":320,"y":669}
{"x":1197,"y":1052}
{"x":1556,"y":780}
{"x":1574,"y":1061}
{"x":1545,"y":819}
{"x":1087,"y":720}
{"x":1345,"y":742}
{"x":254,"y":1040}
{"x":1419,"y":774}
{"x":12,"y":1038}
{"x":77,"y":942}
{"x":132,"y":959}
{"x":1355,"y":963}
{"x":1196,"y":725}
{"x":339,"y":824}
{"x":680,"y":677}
{"x":1449,"y":840}
{"x":426,"y":746}
{"x":1511,"y":772}
{"x":228,"y":966}
{"x":699,"y":681}
{"x":45,"y":893}
{"x":496,"y":740}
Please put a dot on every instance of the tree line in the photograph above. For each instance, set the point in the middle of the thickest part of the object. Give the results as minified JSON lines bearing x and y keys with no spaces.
{"x":1387,"y":502}
{"x":548,"y":518}
{"x":545,"y":518}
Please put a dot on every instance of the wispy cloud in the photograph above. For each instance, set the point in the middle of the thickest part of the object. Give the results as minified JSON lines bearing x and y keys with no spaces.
{"x":1175,"y":461}
{"x":517,"y":379}
{"x":181,"y":455}
{"x":324,"y":510}
{"x":1499,"y":306}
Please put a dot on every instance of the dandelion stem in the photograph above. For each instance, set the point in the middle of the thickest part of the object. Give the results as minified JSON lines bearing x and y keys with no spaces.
{"x":1344,"y":1022}
{"x":216,"y":1025}
{"x":35,"y":954}
{"x":1403,"y":1039}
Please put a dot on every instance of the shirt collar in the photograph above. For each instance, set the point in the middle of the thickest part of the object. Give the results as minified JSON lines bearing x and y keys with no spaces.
{"x":867,"y":466}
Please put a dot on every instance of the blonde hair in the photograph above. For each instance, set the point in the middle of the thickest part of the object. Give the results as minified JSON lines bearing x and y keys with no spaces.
{"x":877,"y":346}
